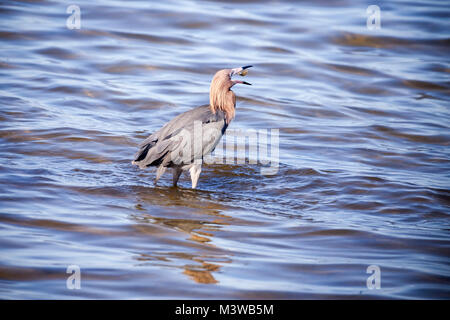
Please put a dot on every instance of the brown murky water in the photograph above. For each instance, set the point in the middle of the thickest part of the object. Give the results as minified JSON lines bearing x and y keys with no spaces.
{"x":363,"y":176}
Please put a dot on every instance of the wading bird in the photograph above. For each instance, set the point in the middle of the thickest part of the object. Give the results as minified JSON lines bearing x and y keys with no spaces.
{"x":182,"y":142}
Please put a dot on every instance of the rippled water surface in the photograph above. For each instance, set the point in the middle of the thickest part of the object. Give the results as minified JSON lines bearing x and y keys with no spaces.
{"x":363,"y":177}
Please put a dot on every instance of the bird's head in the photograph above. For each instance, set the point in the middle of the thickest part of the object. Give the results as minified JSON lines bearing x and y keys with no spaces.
{"x":220,"y":95}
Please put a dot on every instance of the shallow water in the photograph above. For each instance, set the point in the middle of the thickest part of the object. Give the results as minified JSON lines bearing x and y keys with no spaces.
{"x":363,"y":175}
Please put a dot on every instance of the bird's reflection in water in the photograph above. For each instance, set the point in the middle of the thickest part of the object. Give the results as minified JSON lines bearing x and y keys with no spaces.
{"x":196,"y":255}
{"x":202,"y":274}
{"x":199,"y":270}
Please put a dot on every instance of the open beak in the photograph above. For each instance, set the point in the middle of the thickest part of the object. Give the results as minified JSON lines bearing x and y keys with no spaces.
{"x":242,"y":72}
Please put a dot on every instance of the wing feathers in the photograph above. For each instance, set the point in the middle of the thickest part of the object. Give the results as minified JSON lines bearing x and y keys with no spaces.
{"x":167,"y":145}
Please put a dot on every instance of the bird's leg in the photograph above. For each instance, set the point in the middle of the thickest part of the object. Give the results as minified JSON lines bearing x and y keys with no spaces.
{"x":176,"y":175}
{"x":159,"y":173}
{"x":195,"y":174}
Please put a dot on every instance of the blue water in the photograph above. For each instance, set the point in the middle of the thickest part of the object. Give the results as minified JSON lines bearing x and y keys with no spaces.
{"x":362,"y":175}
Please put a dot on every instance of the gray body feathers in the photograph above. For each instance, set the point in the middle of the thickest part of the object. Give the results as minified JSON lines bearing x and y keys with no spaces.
{"x":187,"y":137}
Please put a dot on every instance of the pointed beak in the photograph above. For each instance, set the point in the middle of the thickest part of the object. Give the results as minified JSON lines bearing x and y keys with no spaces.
{"x":242,"y":72}
{"x":242,"y":82}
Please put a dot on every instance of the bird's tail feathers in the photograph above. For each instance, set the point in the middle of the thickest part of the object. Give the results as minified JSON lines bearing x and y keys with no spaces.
{"x":155,"y":155}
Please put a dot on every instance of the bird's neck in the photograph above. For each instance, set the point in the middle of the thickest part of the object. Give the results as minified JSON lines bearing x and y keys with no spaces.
{"x":225,"y":102}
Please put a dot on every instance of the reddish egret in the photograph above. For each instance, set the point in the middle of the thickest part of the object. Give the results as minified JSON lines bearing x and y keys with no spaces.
{"x":178,"y":144}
